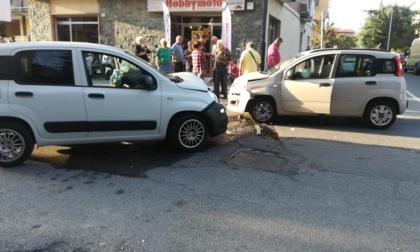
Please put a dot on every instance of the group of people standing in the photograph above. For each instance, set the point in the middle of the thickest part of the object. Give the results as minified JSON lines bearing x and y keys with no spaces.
{"x":195,"y":59}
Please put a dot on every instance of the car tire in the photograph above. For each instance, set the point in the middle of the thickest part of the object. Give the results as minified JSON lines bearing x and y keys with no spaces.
{"x":16,"y":144}
{"x":417,"y":70}
{"x":188,"y":133}
{"x":263,"y":110}
{"x":380,"y":114}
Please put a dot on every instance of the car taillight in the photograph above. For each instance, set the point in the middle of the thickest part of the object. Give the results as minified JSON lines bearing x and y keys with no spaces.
{"x":398,"y":67}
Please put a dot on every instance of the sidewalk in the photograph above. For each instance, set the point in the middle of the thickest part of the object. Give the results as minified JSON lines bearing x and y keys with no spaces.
{"x":210,"y":83}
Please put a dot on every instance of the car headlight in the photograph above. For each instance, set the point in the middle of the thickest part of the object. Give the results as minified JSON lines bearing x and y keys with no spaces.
{"x":213,"y":96}
{"x":240,"y":82}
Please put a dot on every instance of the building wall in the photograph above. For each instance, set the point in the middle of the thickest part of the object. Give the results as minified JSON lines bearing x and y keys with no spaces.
{"x":294,"y":32}
{"x":74,"y":7}
{"x":248,"y":26}
{"x":39,"y":14}
{"x":322,"y":6}
{"x":121,"y":21}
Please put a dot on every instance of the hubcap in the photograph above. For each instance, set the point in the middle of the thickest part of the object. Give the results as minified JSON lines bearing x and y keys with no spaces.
{"x":381,"y":115}
{"x":263,"y":111}
{"x":12,"y":145}
{"x":191,"y":133}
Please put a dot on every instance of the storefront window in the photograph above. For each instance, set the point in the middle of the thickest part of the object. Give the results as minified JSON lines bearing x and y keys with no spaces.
{"x":80,"y":29}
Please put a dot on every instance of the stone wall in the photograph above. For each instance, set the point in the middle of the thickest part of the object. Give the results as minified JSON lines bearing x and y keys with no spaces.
{"x":40,"y":19}
{"x":122,"y":21}
{"x":248,"y":26}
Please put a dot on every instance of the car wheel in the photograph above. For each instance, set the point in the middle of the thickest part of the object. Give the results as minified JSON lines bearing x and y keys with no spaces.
{"x":16,"y":144}
{"x":380,"y":114}
{"x":188,"y":133}
{"x":263,"y":110}
{"x":416,"y":70}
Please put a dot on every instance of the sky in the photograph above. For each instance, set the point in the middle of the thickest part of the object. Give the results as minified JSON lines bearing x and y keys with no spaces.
{"x":349,"y":14}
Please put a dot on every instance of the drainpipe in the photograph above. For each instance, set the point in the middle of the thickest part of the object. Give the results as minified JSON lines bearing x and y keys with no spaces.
{"x":263,"y":43}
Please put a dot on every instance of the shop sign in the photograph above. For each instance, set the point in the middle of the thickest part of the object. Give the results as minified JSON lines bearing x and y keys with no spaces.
{"x":194,"y":5}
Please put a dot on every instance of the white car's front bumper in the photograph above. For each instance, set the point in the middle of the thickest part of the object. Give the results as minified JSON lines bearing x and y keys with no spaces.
{"x":238,"y":99}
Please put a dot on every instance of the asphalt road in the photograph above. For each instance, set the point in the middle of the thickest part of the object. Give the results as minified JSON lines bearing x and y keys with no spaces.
{"x":305,"y":184}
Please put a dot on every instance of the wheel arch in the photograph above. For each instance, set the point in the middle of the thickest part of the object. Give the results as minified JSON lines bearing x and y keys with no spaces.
{"x":388,"y":99}
{"x":182,"y":113}
{"x":21,"y":122}
{"x":256,"y":97}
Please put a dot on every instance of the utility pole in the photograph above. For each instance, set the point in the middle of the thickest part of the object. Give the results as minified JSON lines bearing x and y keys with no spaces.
{"x":324,"y":15}
{"x":389,"y":32}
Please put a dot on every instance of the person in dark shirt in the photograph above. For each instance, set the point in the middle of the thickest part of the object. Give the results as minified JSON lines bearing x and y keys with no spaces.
{"x":141,"y":49}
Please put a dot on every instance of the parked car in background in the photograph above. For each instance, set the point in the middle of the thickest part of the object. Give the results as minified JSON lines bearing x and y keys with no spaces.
{"x":336,"y":82}
{"x":60,"y":93}
{"x":413,"y":57}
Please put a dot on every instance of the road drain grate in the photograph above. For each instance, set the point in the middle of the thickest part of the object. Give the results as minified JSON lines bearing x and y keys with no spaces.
{"x":257,"y":160}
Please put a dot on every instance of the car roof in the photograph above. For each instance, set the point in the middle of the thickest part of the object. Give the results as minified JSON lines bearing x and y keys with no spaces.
{"x":376,"y":52}
{"x":8,"y":47}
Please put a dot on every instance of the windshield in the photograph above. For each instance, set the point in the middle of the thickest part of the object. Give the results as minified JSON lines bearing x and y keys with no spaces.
{"x":174,"y":79}
{"x":285,"y":63}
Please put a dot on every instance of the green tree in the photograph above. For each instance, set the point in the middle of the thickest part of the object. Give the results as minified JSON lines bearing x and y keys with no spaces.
{"x":344,"y":41}
{"x":328,"y":33}
{"x":375,"y":31}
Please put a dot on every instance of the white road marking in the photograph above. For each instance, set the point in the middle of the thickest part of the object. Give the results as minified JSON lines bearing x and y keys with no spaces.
{"x":413,"y":96}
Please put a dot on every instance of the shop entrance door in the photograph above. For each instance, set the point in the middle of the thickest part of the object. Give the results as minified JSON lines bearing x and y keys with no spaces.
{"x":189,"y":30}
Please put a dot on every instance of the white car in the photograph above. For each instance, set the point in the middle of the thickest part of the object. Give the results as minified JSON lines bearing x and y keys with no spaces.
{"x":352,"y":82}
{"x":63,"y":93}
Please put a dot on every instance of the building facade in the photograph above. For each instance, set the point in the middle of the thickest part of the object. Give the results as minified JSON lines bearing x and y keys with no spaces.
{"x":118,"y":22}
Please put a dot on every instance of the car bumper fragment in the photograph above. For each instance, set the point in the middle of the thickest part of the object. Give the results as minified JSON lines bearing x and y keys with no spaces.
{"x":217,"y":117}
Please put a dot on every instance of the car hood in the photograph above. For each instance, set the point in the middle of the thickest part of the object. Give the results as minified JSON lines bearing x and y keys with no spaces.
{"x":191,"y":81}
{"x":256,"y":76}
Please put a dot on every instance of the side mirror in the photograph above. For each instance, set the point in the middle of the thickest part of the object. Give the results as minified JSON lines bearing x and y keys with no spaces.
{"x":289,"y":74}
{"x":146,"y":82}
{"x":407,"y":53}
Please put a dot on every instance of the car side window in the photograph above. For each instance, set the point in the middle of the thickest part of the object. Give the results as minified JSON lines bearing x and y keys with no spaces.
{"x":387,"y":66}
{"x":319,"y":67}
{"x":44,"y":67}
{"x":351,"y":65}
{"x":104,"y":70}
{"x":4,"y":69}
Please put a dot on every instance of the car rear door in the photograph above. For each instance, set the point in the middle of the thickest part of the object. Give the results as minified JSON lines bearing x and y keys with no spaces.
{"x":44,"y":91}
{"x":308,"y":86}
{"x":356,"y":81}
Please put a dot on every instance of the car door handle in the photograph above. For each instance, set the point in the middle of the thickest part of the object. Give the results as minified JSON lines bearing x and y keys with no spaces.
{"x":24,"y":94}
{"x":370,"y":82}
{"x":324,"y":84}
{"x":100,"y":96}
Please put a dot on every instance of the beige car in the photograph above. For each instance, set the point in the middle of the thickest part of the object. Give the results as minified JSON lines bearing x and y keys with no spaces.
{"x":351,"y":82}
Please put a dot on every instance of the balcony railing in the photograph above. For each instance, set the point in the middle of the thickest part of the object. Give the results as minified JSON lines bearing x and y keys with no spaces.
{"x":19,"y":5}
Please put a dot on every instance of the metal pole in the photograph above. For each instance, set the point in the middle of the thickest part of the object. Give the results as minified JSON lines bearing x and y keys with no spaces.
{"x":322,"y":29}
{"x":389,"y":32}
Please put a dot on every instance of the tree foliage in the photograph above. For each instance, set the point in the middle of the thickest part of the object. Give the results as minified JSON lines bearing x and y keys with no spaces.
{"x":332,"y":38}
{"x":375,"y":31}
{"x":344,"y":41}
{"x":328,"y":35}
